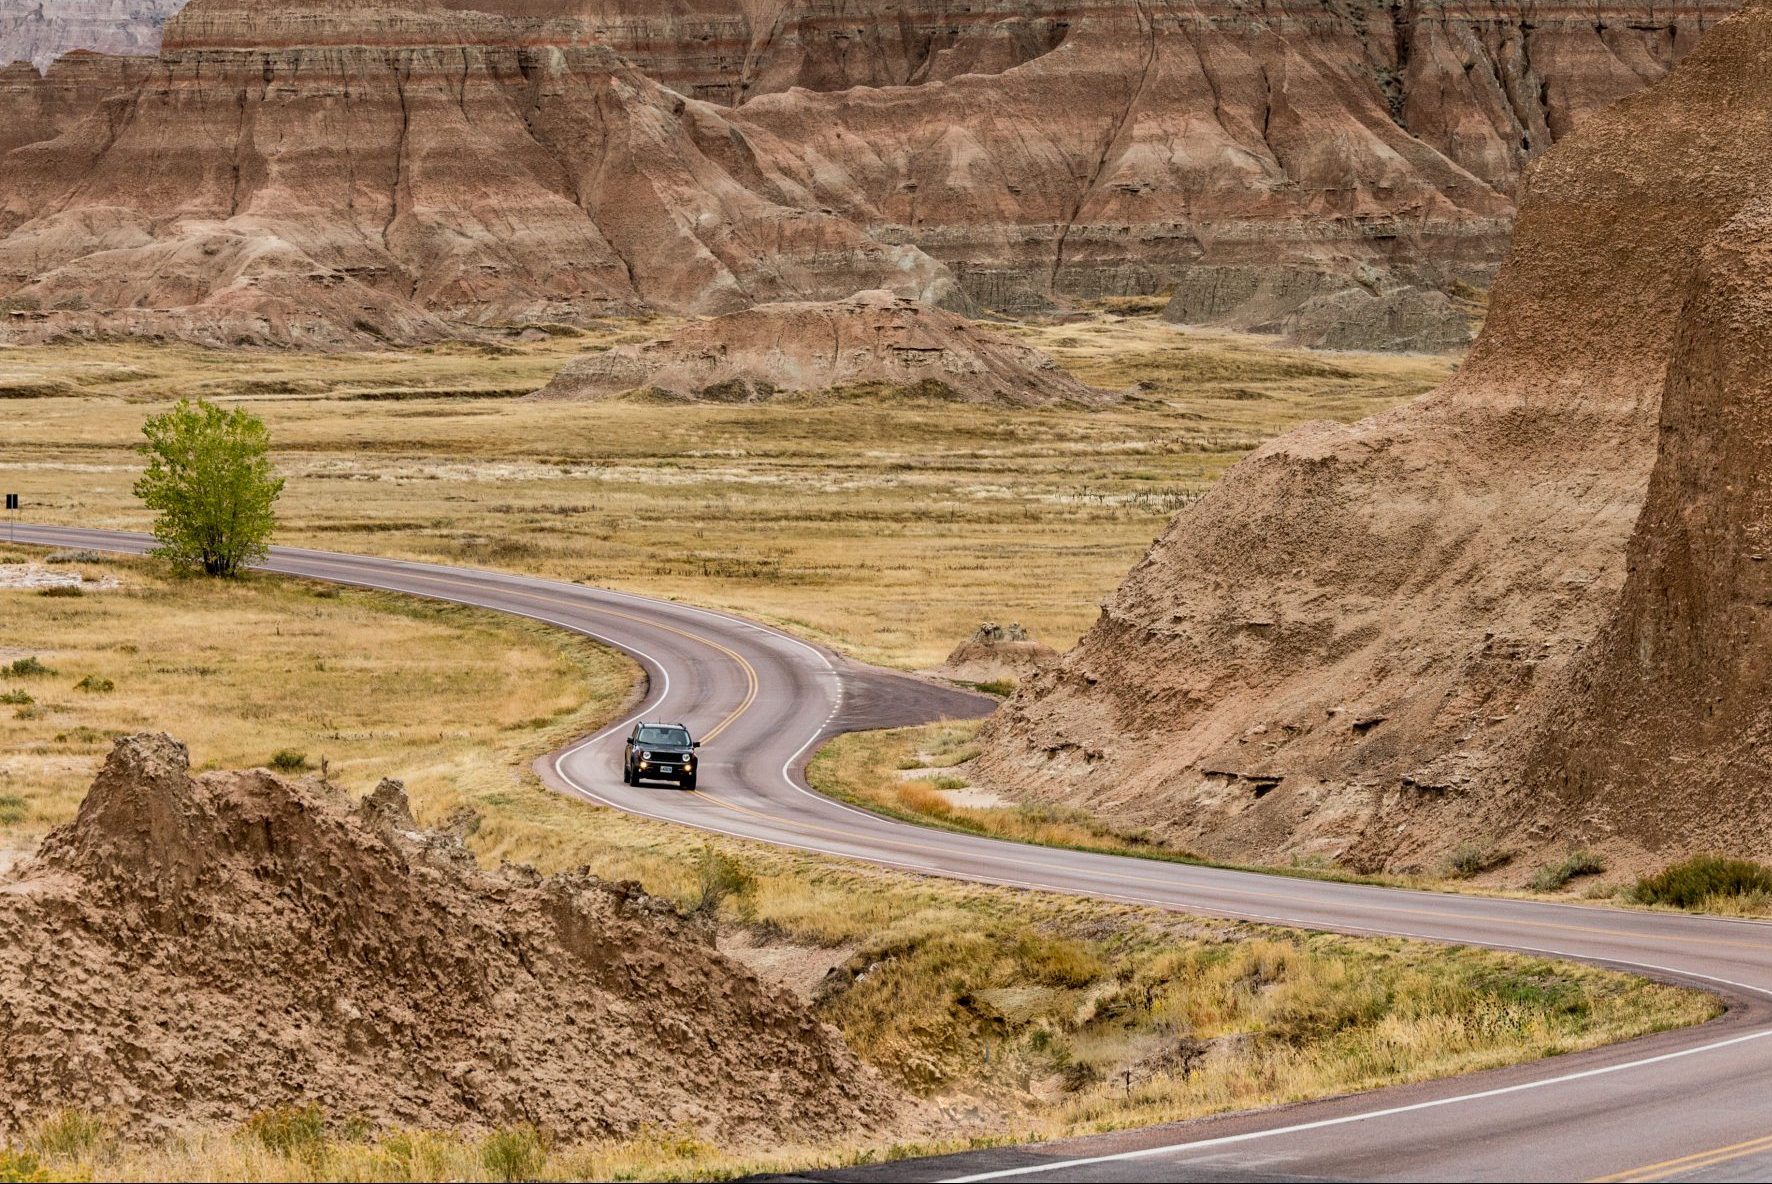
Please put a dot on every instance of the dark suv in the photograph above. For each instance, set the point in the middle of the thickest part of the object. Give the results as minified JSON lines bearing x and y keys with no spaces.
{"x":659,"y":752}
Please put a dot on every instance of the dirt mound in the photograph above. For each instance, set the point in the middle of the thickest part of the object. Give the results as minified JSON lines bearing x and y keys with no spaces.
{"x":996,"y":653}
{"x":193,"y":949}
{"x":1342,"y":649}
{"x":871,"y":338}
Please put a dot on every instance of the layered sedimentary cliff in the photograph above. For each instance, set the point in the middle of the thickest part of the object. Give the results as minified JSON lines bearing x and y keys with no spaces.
{"x":341,"y":192}
{"x":1330,"y":171}
{"x":39,"y":31}
{"x":1376,"y":642}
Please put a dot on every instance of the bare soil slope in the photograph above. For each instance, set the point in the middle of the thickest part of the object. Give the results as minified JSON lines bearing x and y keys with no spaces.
{"x":193,"y":949}
{"x":871,"y":338}
{"x":1658,"y":740}
{"x":1341,"y":649}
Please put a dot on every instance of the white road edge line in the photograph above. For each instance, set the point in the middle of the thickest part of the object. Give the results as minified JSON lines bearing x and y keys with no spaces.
{"x":1250,"y":1136}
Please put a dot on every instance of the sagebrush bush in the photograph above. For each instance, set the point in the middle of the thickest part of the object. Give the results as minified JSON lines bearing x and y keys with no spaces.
{"x":514,"y":1153}
{"x":1689,"y":884}
{"x":67,"y":590}
{"x":289,"y":760}
{"x":298,"y":1131}
{"x":28,"y":668}
{"x":721,"y":877}
{"x":1578,"y":863}
{"x":70,"y":1134}
{"x":95,"y":684}
{"x":17,"y":698}
{"x":12,"y":811}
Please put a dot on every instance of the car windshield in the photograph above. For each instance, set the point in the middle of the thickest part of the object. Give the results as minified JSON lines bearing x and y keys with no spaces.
{"x":664,"y":736}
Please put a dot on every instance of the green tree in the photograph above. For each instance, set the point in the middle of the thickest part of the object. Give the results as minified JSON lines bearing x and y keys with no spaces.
{"x":209,"y":478}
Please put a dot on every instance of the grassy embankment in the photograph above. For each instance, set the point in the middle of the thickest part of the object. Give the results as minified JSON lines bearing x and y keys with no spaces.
{"x":889,"y":528}
{"x":1013,"y":1014}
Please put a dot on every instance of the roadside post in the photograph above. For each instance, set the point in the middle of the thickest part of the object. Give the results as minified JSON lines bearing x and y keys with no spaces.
{"x":11,"y":515}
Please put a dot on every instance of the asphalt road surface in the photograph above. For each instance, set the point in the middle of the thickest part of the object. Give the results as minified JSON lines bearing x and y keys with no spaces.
{"x":1687,"y":1105}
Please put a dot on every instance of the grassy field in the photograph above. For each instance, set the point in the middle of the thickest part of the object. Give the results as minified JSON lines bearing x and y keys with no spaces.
{"x":363,"y":684}
{"x":1011,"y":1014}
{"x":888,"y":528}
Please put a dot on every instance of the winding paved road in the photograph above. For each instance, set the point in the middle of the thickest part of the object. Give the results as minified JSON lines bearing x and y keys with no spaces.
{"x":1694,"y":1104}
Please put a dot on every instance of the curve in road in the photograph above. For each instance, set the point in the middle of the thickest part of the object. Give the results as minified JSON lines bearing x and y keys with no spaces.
{"x":1690,"y":1104}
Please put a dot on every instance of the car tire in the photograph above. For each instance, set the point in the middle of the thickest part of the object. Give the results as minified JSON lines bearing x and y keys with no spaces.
{"x":688,"y":783}
{"x":627,"y":774}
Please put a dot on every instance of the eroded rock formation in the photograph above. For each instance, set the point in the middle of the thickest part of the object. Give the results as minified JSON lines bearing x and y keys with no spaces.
{"x":39,"y":31}
{"x":871,"y":339}
{"x":1352,"y":644}
{"x":324,"y":171}
{"x":191,"y":950}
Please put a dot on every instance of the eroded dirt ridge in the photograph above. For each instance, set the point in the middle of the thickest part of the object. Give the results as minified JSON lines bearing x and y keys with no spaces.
{"x":873,"y":338}
{"x":1381,"y":641}
{"x":191,"y":950}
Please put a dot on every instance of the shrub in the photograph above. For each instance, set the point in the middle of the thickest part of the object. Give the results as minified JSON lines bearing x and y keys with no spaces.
{"x":289,"y":760}
{"x":17,"y":698}
{"x":1469,"y":859}
{"x":74,"y":557}
{"x":1578,"y":863}
{"x":69,"y":1134}
{"x":514,"y":1153}
{"x":95,"y":684}
{"x":721,"y":876}
{"x":1689,"y":884}
{"x":296,"y":1131}
{"x":28,"y":668}
{"x":12,"y":809}
{"x":62,"y":590}
{"x":21,"y":1166}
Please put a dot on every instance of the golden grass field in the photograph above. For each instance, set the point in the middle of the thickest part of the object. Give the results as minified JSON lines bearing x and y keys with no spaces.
{"x":1011,"y":1014}
{"x":885,"y":527}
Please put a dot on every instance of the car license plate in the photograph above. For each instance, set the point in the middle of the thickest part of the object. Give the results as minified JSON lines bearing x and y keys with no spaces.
{"x":667,"y":769}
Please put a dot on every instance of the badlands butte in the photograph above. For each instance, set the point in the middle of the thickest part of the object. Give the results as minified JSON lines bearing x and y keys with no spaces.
{"x":1522,"y":614}
{"x":329,"y":173}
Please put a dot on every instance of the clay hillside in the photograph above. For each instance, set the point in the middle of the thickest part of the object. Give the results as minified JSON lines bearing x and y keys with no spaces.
{"x":1380,"y":642}
{"x":324,"y":172}
{"x":871,"y":339}
{"x":193,"y":950}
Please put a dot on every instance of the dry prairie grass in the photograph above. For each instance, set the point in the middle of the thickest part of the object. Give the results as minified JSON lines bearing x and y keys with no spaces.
{"x":886,"y":527}
{"x":371,"y":684}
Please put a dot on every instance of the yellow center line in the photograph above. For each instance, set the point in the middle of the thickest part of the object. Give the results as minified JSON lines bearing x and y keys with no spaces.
{"x":803,"y":826}
{"x":1690,"y":1163}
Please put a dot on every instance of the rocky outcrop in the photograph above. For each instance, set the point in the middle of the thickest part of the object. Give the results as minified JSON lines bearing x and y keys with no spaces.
{"x":1657,"y":740}
{"x":331,"y":194}
{"x":40,"y":31}
{"x":996,"y":654}
{"x":192,"y":950}
{"x":871,"y":339}
{"x":1349,"y":645}
{"x":330,"y":172}
{"x":1151,"y":143}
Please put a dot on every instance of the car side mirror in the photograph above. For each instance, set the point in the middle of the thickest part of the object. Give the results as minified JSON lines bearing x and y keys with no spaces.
{"x":695,"y":744}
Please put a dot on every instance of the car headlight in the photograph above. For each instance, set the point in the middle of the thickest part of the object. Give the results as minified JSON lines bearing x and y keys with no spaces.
{"x":645,"y":756}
